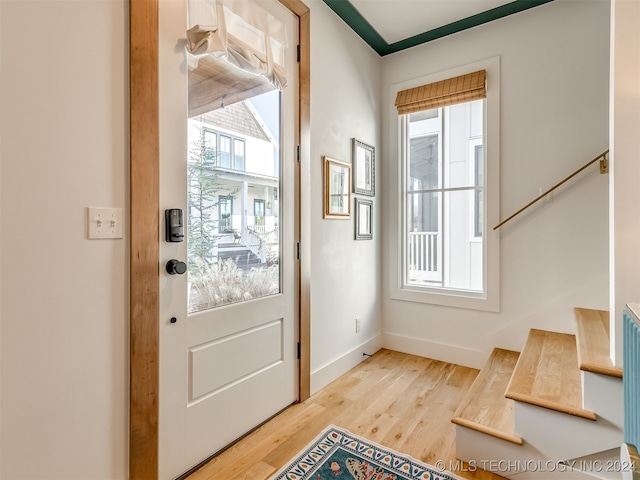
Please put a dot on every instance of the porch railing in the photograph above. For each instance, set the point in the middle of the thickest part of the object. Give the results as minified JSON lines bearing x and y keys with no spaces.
{"x":261,"y":239}
{"x":423,"y":251}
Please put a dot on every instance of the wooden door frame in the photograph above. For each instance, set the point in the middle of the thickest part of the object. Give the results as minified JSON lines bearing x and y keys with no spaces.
{"x":145,"y":229}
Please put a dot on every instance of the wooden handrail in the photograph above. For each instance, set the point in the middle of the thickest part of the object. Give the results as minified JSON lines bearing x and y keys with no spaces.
{"x":602,"y":157}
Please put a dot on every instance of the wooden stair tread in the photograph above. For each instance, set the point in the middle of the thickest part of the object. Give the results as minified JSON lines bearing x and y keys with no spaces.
{"x":485,"y":408}
{"x":547,"y":374}
{"x":593,"y":342}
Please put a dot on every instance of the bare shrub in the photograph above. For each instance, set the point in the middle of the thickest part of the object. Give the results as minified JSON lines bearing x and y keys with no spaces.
{"x":224,"y":283}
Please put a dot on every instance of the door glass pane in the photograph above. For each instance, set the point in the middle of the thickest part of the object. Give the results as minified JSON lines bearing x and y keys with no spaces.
{"x":233,"y":217}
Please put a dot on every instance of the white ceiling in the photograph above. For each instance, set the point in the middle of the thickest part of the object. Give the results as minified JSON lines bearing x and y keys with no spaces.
{"x":399,"y":19}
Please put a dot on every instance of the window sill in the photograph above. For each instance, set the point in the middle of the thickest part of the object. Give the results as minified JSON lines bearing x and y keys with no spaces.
{"x":448,"y":298}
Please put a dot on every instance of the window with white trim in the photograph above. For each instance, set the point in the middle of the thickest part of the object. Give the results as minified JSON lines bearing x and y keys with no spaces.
{"x":446,"y":254}
{"x":442,"y":248}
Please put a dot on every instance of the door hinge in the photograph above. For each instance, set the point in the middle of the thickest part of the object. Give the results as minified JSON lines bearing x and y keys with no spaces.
{"x":298,"y":350}
{"x":298,"y":53}
{"x":298,"y":250}
{"x":298,"y":152}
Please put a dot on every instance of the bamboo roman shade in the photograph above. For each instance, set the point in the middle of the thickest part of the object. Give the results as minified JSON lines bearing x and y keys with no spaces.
{"x":464,"y":88}
{"x":235,"y":50}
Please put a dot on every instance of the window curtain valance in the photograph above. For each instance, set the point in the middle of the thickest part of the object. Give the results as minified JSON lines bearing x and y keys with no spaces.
{"x":235,"y":50}
{"x":464,"y":88}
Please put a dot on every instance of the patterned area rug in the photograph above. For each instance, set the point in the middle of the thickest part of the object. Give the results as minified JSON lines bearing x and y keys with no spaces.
{"x":337,"y":454}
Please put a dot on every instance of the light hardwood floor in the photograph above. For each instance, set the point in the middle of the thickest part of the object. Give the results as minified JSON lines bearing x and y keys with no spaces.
{"x":401,"y":401}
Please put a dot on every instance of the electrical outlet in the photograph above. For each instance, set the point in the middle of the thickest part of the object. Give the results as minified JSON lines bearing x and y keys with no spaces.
{"x":358,"y":324}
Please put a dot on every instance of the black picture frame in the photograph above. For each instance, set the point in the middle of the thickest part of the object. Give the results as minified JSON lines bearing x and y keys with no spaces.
{"x":363,"y":160}
{"x":363,"y":213}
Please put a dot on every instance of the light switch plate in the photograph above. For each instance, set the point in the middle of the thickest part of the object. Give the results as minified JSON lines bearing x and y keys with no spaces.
{"x":104,"y":223}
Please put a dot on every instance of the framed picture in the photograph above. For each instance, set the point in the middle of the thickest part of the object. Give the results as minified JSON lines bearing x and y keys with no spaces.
{"x":364,"y":219}
{"x":337,"y":186}
{"x":364,"y":168}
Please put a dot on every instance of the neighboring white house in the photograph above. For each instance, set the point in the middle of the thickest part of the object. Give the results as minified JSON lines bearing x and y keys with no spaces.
{"x":233,"y":149}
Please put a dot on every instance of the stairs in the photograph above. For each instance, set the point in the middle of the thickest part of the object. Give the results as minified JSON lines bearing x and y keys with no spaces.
{"x":244,"y":258}
{"x":485,"y":408}
{"x":548,"y":374}
{"x":539,"y":413}
{"x":593,"y":346}
{"x":601,"y":380}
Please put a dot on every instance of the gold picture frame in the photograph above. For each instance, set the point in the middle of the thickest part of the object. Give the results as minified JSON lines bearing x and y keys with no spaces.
{"x":337,"y":189}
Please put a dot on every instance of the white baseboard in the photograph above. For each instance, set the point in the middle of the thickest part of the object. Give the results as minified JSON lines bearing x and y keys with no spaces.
{"x":436,"y":351}
{"x":326,"y":374}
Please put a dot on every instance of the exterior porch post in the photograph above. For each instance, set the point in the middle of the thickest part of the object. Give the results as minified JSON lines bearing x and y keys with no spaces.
{"x":243,"y":217}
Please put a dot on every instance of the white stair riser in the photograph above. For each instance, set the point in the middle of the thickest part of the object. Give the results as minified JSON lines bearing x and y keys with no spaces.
{"x":472,"y":445}
{"x":517,"y":462}
{"x":604,"y":465}
{"x":558,"y":435}
{"x":491,"y":453}
{"x":566,"y":475}
{"x":603,"y":395}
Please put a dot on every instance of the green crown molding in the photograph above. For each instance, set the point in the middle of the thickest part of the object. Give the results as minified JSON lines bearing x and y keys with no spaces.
{"x":347,"y":12}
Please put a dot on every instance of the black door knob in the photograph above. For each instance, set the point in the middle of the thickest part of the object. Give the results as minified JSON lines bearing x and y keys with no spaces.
{"x":176,"y":267}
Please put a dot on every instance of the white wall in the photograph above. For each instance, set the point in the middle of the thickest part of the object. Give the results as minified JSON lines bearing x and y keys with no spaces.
{"x":345,"y":274}
{"x":625,"y":168}
{"x":64,"y":307}
{"x":554,"y":118}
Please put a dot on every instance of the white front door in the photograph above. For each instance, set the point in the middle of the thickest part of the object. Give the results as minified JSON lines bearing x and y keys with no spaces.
{"x":229,"y":325}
